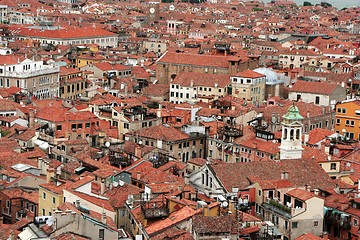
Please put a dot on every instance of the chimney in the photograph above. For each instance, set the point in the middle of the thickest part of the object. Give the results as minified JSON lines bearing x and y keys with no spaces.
{"x":77,"y":203}
{"x":12,"y":235}
{"x":138,"y":152}
{"x":306,"y":138}
{"x":191,"y":83}
{"x":323,"y":110}
{"x":316,"y":192}
{"x":50,"y":173}
{"x":284,"y":175}
{"x":308,"y":114}
{"x":126,"y":89}
{"x":158,"y":112}
{"x":138,"y":175}
{"x":103,"y":217}
{"x":102,"y":186}
{"x":32,"y":118}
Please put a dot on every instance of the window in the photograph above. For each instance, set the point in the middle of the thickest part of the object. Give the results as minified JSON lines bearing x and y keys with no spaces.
{"x":44,"y":195}
{"x":338,"y":121}
{"x":53,"y":200}
{"x":294,"y":224}
{"x":355,"y":222}
{"x":79,"y":125}
{"x":343,"y":110}
{"x":87,"y":125}
{"x":259,"y":192}
{"x":101,"y":234}
{"x":73,"y":126}
{"x":316,"y":223}
{"x":7,"y":204}
{"x":332,"y":166}
{"x":59,"y":127}
{"x":317,"y":100}
{"x":126,"y":125}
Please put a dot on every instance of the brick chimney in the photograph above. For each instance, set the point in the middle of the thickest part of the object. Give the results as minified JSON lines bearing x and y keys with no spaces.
{"x":32,"y":118}
{"x":138,"y":151}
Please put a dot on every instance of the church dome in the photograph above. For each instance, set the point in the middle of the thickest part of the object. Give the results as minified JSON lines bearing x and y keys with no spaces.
{"x":271,"y":76}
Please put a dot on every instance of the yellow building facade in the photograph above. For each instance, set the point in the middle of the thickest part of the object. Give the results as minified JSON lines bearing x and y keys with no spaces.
{"x":50,"y":197}
{"x":347,"y":119}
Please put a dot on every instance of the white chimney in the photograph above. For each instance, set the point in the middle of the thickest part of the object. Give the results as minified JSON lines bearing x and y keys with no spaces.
{"x":158,"y":112}
{"x":103,"y":217}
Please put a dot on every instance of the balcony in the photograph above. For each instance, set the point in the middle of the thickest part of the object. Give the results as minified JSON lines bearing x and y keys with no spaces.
{"x":278,"y":208}
{"x":156,"y":208}
{"x":338,"y":219}
{"x":119,"y":160}
{"x":231,"y":130}
{"x":32,"y":73}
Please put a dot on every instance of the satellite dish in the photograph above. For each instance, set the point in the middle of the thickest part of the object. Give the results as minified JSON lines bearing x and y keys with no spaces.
{"x":171,"y":7}
{"x":224,"y":204}
{"x":140,"y":142}
{"x":107,"y":144}
{"x":115,"y":184}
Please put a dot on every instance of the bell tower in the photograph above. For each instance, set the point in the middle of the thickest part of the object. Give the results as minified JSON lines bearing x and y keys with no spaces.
{"x":291,"y":147}
{"x":153,"y":12}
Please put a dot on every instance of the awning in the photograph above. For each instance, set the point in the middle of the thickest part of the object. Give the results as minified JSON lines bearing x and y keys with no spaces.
{"x":39,"y":142}
{"x":27,"y":234}
{"x":44,"y":146}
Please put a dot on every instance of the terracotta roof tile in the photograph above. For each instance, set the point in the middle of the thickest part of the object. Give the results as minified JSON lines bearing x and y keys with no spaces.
{"x":314,"y":87}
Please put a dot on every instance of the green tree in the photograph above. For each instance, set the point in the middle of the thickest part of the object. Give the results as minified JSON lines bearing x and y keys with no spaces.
{"x":325,"y":4}
{"x":306,"y":3}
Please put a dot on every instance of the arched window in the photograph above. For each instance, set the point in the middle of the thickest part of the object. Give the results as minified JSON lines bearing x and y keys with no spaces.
{"x":285,"y":133}
{"x":207,"y":177}
{"x":292,"y":134}
{"x":298,"y":134}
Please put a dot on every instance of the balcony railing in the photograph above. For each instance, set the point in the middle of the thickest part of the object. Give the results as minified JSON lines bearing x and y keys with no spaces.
{"x":156,"y":208}
{"x":277,"y":208}
{"x":231,"y":131}
{"x":31,"y":73}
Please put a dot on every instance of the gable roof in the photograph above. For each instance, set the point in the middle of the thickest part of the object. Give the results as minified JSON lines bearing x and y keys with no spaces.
{"x":194,"y":59}
{"x":301,"y":172}
{"x":161,"y":132}
{"x":202,"y":79}
{"x":314,"y":87}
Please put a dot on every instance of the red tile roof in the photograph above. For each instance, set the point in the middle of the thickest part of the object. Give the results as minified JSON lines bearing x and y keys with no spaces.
{"x":308,"y":236}
{"x":161,"y":132}
{"x":313,"y":87}
{"x":174,"y":218}
{"x":249,"y":74}
{"x":64,"y":32}
{"x":300,"y":194}
{"x":195,"y":59}
{"x":301,"y":172}
{"x":201,"y":79}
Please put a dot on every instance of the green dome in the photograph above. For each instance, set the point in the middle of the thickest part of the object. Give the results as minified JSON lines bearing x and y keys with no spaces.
{"x":292,"y":114}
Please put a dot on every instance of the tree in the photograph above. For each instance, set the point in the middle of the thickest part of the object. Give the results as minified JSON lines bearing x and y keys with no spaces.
{"x":306,"y":3}
{"x":325,"y":4}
